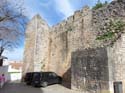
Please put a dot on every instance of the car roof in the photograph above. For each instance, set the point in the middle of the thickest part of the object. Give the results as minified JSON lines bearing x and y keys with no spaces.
{"x":39,"y":72}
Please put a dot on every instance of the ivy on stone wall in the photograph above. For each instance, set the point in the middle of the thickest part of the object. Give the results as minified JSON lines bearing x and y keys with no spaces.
{"x":113,"y":30}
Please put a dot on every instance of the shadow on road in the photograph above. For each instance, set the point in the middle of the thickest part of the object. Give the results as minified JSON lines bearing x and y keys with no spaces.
{"x":19,"y":88}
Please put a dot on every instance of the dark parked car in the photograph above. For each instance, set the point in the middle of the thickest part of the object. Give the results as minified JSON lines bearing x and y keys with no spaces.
{"x":28,"y":78}
{"x":45,"y":78}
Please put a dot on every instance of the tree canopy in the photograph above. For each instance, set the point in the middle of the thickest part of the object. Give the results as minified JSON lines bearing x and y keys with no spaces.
{"x":12,"y":24}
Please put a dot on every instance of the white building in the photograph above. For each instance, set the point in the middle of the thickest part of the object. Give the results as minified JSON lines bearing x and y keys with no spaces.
{"x":12,"y":70}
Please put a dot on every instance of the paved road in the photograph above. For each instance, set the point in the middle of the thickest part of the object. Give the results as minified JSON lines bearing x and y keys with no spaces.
{"x":22,"y":88}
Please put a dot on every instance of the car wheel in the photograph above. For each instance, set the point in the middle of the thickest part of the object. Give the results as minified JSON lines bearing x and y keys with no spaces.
{"x":27,"y":83}
{"x":44,"y":84}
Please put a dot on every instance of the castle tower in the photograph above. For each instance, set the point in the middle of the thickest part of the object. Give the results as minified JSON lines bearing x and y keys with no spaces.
{"x":41,"y":43}
{"x":37,"y":29}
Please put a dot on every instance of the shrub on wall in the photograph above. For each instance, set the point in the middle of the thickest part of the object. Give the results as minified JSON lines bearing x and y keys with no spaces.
{"x":99,"y":5}
{"x":70,"y":28}
{"x":113,"y":31}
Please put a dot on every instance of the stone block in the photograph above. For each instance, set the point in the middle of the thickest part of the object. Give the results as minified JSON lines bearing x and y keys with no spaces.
{"x":77,"y":15}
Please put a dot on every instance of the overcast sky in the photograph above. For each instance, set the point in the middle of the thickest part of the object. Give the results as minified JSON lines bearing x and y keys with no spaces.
{"x":53,"y":11}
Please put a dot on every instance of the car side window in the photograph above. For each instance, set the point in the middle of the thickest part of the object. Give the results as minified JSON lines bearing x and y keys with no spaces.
{"x":52,"y":75}
{"x":44,"y":75}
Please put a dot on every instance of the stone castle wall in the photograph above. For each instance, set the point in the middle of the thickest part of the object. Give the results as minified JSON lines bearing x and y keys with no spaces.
{"x":50,"y":49}
{"x":68,"y":36}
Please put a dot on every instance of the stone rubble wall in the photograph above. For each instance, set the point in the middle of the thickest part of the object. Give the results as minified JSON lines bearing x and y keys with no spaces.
{"x":115,"y":10}
{"x":101,"y":17}
{"x":90,"y":70}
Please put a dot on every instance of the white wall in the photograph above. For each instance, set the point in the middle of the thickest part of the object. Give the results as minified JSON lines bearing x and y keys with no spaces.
{"x":15,"y":76}
{"x":14,"y":73}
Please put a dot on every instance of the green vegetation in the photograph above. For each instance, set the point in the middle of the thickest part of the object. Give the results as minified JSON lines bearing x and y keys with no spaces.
{"x":99,"y":5}
{"x":113,"y":30}
{"x":105,"y":36}
{"x":69,"y":29}
{"x":13,"y":72}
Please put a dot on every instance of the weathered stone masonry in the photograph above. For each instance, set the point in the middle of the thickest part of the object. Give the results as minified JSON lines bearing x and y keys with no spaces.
{"x":36,"y":41}
{"x":90,"y":70}
{"x":71,"y":47}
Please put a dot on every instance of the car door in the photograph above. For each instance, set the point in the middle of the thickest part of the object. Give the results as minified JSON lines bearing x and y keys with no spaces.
{"x":45,"y":78}
{"x":54,"y":78}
